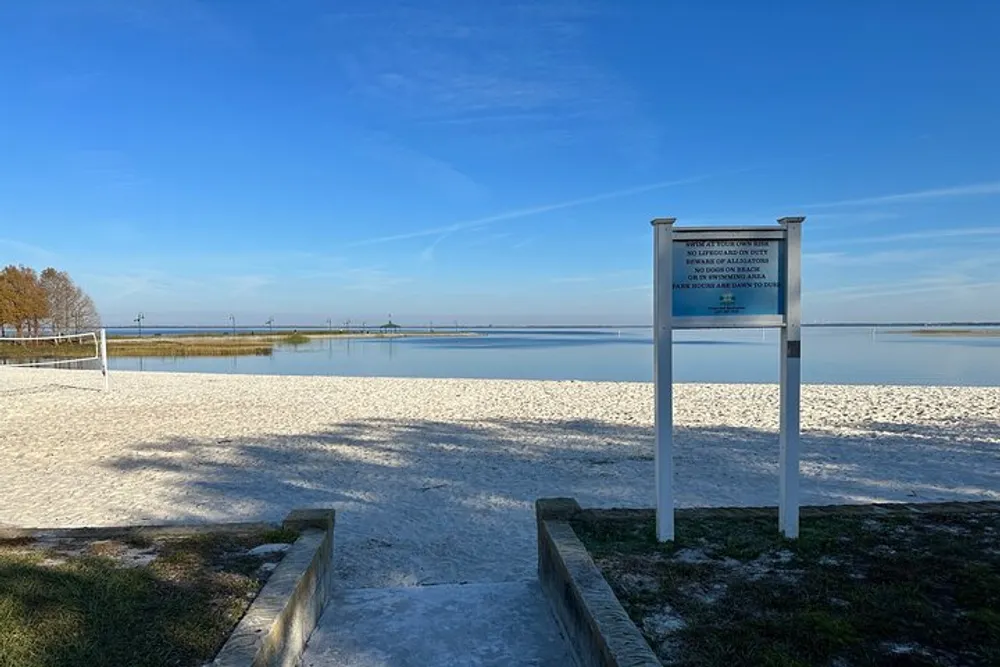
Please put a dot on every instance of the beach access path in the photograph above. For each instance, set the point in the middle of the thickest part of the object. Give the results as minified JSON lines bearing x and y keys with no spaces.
{"x":434,"y":480}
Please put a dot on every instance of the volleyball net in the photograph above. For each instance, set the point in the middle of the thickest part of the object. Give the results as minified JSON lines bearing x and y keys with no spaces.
{"x":87,"y":350}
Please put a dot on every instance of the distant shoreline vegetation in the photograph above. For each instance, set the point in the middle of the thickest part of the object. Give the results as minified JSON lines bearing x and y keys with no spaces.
{"x":186,"y":344}
{"x":37,"y":351}
{"x":964,"y":333}
{"x":126,"y":331}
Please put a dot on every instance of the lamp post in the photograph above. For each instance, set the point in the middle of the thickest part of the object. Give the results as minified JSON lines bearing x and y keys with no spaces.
{"x":329,"y":324}
{"x":232,"y":320}
{"x":138,"y":320}
{"x":270,"y":323}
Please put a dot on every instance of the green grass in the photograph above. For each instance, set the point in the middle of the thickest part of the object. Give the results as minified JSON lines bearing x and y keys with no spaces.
{"x":295,"y":339}
{"x":851,"y":591}
{"x":87,"y":609}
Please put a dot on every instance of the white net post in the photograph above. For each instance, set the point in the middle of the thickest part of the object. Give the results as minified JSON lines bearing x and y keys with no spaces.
{"x":104,"y":357}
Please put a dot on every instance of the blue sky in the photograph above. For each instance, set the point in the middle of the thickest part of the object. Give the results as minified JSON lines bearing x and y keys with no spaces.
{"x":494,"y":161}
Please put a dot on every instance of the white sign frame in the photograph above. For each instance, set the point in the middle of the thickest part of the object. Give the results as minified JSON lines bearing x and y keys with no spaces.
{"x":789,"y":231}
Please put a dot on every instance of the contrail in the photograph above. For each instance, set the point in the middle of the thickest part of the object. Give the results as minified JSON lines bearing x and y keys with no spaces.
{"x":913,"y":236}
{"x":992,"y":188}
{"x":525,"y":212}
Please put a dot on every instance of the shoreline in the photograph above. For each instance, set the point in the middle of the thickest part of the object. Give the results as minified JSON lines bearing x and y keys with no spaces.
{"x":469,"y":378}
{"x":284,"y":335}
{"x":558,"y":381}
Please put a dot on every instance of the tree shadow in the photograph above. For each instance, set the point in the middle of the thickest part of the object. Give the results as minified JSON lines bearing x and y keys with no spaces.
{"x":424,"y":501}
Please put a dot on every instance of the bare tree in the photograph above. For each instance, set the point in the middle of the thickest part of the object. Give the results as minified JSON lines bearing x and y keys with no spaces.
{"x":84,"y":313}
{"x":61,"y":294}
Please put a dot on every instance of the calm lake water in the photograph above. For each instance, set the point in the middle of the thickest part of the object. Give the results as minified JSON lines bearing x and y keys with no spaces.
{"x":829,"y":356}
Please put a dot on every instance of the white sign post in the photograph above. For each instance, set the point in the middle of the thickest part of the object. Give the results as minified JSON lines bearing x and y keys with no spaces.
{"x":727,"y":277}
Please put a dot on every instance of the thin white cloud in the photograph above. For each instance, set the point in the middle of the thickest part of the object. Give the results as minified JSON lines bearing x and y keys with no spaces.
{"x":373,"y":279}
{"x":924,"y":235}
{"x":458,"y":62}
{"x":605,"y":275}
{"x":247,"y":284}
{"x":500,"y":118}
{"x":873,"y":215}
{"x":867,"y":288}
{"x":519,"y":69}
{"x":899,"y":289}
{"x":106,"y":169}
{"x":488,"y":239}
{"x":630,"y":288}
{"x":427,"y":254}
{"x":971,"y":190}
{"x":27,"y":249}
{"x":853,"y":217}
{"x":185,"y":19}
{"x":841,"y":218}
{"x":526,"y":212}
{"x":865,"y":259}
{"x":425,"y":169}
{"x":151,"y":283}
{"x":574,"y":279}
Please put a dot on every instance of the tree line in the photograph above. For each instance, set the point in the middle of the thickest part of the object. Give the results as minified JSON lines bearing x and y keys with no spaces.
{"x":35,"y":304}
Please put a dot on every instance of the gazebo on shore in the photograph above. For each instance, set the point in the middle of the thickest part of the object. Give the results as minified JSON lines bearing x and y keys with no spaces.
{"x":389,"y":327}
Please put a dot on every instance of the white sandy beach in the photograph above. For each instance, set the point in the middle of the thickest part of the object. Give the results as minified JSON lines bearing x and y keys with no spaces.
{"x":413,"y":464}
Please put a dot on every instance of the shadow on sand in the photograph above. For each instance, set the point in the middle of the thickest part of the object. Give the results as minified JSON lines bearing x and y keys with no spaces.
{"x":429,"y":502}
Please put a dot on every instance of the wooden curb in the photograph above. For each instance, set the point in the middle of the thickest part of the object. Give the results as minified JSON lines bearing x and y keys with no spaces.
{"x":276,"y":627}
{"x":600,"y":633}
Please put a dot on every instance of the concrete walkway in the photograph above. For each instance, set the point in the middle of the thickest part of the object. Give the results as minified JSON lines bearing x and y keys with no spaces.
{"x":450,"y":625}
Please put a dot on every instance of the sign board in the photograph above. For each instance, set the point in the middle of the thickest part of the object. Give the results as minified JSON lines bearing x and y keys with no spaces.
{"x":715,"y":277}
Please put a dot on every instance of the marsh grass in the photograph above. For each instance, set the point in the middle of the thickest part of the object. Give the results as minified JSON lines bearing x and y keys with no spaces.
{"x":152,"y":347}
{"x":178,"y":348}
